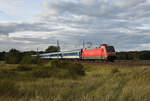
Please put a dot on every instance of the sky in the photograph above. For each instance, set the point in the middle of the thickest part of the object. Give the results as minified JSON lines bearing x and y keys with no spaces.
{"x":30,"y":24}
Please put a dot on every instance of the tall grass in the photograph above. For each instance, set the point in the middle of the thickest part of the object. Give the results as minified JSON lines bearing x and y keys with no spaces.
{"x":8,"y":88}
{"x":101,"y":83}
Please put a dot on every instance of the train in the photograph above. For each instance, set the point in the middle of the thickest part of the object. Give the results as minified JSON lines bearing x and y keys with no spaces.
{"x":104,"y":52}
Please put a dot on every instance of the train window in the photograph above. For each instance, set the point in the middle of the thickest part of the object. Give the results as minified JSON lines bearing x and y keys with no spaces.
{"x":53,"y":55}
{"x":70,"y":54}
{"x":110,"y":49}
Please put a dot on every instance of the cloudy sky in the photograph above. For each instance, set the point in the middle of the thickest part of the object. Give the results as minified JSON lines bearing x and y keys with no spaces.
{"x":32,"y":24}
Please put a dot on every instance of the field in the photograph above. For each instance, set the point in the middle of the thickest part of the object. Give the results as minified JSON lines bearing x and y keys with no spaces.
{"x":120,"y":81}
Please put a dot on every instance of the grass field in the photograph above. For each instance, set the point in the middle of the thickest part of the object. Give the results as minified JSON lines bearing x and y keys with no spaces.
{"x":106,"y":82}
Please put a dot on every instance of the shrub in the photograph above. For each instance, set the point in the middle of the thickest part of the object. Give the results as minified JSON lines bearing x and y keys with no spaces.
{"x":43,"y":72}
{"x":68,"y":69}
{"x":59,"y":64}
{"x":27,"y":59}
{"x":36,"y":60}
{"x":76,"y":69}
{"x":13,"y":56}
{"x":61,"y":69}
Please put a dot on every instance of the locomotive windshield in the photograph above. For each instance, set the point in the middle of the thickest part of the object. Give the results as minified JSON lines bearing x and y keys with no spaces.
{"x":110,"y":49}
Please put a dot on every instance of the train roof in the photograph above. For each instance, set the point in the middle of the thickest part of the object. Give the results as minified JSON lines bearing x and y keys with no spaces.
{"x":91,"y":48}
{"x":50,"y":53}
{"x":77,"y":50}
{"x":106,"y":45}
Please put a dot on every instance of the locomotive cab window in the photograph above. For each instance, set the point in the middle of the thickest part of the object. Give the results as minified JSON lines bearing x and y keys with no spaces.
{"x":110,"y":49}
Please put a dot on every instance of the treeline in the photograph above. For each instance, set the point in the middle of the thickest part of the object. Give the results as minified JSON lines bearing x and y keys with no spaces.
{"x":14,"y":56}
{"x":133,"y":55}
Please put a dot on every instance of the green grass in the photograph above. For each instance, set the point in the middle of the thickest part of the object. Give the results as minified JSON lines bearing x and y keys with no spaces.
{"x":107,"y":82}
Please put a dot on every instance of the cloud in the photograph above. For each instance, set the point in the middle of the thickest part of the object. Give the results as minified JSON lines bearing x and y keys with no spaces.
{"x":11,"y":7}
{"x":93,"y":8}
{"x":1,"y":12}
{"x":11,"y":3}
{"x":124,"y":24}
{"x":6,"y":27}
{"x":103,"y":20}
{"x":129,"y":4}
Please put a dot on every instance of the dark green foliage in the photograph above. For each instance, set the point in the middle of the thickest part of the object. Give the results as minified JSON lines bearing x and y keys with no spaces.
{"x":13,"y":56}
{"x":145,"y":55}
{"x":52,"y":49}
{"x":43,"y":72}
{"x":58,"y":63}
{"x":30,"y":52}
{"x":2,"y":56}
{"x":133,"y":55}
{"x":28,"y":59}
{"x":73,"y":68}
{"x":125,"y":56}
{"x":61,"y":69}
{"x":76,"y":69}
{"x":36,"y":60}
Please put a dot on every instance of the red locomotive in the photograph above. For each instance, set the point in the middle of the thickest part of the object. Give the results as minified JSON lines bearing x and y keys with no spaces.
{"x":104,"y":52}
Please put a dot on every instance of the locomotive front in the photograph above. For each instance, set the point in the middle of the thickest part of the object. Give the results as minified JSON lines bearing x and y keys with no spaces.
{"x":111,"y":54}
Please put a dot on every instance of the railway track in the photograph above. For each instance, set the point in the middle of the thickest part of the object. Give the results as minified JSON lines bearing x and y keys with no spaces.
{"x":128,"y":63}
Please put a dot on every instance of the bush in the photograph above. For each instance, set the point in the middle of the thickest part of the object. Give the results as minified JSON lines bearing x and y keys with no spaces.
{"x":43,"y":72}
{"x":73,"y":69}
{"x":13,"y":57}
{"x":61,"y":69}
{"x":76,"y":69}
{"x":27,"y":59}
{"x":36,"y":60}
{"x":59,"y":64}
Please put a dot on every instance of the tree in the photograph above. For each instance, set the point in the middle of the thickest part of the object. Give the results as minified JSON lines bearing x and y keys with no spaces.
{"x":2,"y":55}
{"x":27,"y":59}
{"x":144,"y":55}
{"x":52,"y":49}
{"x":13,"y":56}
